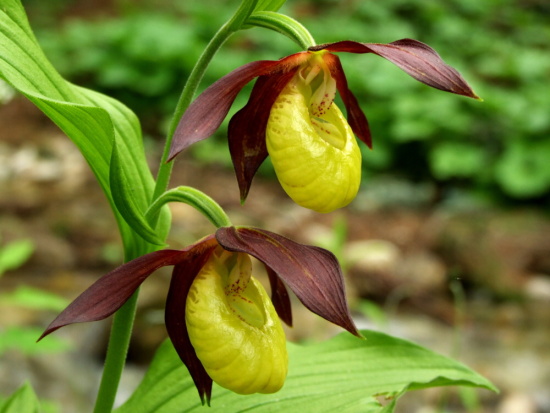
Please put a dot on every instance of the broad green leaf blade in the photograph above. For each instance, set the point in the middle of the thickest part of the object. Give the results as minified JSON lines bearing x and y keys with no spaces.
{"x":92,"y":120}
{"x":343,"y":374}
{"x":24,"y":400}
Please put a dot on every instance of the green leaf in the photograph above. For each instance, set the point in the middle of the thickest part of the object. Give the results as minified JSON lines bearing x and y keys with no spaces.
{"x":124,"y":196}
{"x":343,"y":374}
{"x":93,"y":121}
{"x":14,"y":254}
{"x":24,"y":400}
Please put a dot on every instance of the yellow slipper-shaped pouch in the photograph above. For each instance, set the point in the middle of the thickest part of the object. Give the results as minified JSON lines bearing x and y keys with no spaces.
{"x":315,"y":155}
{"x":234,"y":327}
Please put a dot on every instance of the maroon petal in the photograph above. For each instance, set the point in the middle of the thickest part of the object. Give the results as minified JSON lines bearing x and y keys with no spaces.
{"x":206,"y":113}
{"x":311,"y":272}
{"x":112,"y":290}
{"x":279,"y":297}
{"x":356,"y":118}
{"x":246,"y":132}
{"x":182,"y":278}
{"x":416,"y":58}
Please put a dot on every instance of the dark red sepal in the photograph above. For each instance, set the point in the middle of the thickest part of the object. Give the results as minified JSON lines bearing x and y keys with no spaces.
{"x":111,"y":291}
{"x":246,"y":134}
{"x":182,"y":278}
{"x":312,"y":273}
{"x":356,"y":118}
{"x":206,"y":113}
{"x":279,"y":297}
{"x":416,"y":58}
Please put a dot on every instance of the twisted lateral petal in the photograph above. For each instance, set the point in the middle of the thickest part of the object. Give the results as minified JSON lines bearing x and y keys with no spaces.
{"x":234,"y":328}
{"x":111,"y":291}
{"x":312,"y":273}
{"x":182,"y":278}
{"x":356,"y":118}
{"x":279,"y":297}
{"x":416,"y":58}
{"x":246,"y":133}
{"x":206,"y":113}
{"x":316,"y":159}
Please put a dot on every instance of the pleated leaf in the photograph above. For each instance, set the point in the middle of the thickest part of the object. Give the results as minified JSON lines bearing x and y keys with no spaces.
{"x":91,"y":120}
{"x":344,"y":374}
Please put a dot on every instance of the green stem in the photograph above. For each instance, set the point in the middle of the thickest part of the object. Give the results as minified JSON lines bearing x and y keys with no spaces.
{"x":119,"y":341}
{"x":233,"y":25}
{"x":193,"y":197}
{"x":121,"y":329}
{"x":283,"y":24}
{"x":165,"y":169}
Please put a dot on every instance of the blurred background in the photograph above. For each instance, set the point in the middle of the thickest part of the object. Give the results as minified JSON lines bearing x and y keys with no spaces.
{"x":447,"y":244}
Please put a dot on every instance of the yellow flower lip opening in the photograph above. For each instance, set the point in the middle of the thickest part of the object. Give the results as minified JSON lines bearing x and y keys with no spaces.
{"x":243,"y":301}
{"x":234,"y":327}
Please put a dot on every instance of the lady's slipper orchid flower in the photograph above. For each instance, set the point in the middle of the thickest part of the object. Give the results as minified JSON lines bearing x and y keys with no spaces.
{"x":291,"y":115}
{"x":218,"y":317}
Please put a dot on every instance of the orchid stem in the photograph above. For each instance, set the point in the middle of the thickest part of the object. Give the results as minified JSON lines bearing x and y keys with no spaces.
{"x":119,"y":341}
{"x":165,"y":168}
{"x":195,"y":198}
{"x":232,"y":26}
{"x":121,"y":329}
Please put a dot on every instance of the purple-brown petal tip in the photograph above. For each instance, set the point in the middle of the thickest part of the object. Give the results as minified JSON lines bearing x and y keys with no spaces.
{"x":112,"y":290}
{"x":424,"y":64}
{"x":416,"y":58}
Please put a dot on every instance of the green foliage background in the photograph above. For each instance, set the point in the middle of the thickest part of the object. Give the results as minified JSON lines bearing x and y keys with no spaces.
{"x":141,"y":53}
